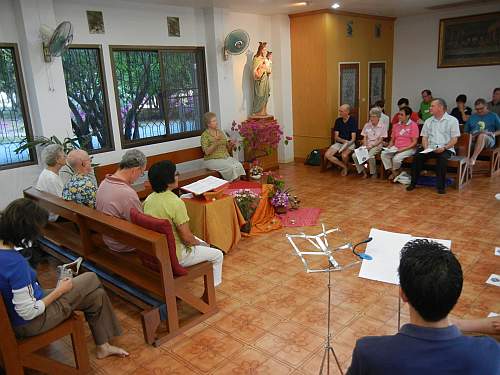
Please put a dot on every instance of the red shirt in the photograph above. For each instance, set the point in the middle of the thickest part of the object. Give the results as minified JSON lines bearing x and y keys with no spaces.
{"x":413,"y":117}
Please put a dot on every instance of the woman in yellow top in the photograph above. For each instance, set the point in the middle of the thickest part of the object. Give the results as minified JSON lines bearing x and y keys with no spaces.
{"x":216,"y":148}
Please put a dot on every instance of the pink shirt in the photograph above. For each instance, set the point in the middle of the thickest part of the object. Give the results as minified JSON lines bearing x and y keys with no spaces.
{"x":402,"y":134}
{"x":373,"y":133}
{"x":116,"y":197}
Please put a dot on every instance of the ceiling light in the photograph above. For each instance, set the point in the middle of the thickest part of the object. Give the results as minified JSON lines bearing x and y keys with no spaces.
{"x":336,"y":6}
{"x":301,"y":4}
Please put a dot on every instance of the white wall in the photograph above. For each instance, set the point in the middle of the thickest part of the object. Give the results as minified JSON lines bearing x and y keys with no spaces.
{"x":229,"y":83}
{"x":415,"y":62}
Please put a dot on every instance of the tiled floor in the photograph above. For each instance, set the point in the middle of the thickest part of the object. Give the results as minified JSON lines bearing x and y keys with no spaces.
{"x":272,"y":317}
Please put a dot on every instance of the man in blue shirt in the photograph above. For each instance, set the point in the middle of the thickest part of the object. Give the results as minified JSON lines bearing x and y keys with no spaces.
{"x":484,"y":126}
{"x":431,"y":282}
{"x":345,"y":130}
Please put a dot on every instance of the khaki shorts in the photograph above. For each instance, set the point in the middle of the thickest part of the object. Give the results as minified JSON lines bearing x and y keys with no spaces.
{"x":337,"y":146}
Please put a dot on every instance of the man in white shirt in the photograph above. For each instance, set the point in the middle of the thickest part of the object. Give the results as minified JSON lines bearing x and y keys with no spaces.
{"x":49,"y":181}
{"x":439,"y":133}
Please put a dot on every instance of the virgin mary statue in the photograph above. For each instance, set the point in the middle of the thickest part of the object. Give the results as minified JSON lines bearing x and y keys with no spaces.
{"x":261,"y":69}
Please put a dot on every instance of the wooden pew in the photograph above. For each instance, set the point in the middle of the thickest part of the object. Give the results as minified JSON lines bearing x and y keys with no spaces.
{"x":176,"y":157}
{"x":18,"y":354}
{"x":458,"y":165}
{"x":492,"y":156}
{"x":82,"y":234}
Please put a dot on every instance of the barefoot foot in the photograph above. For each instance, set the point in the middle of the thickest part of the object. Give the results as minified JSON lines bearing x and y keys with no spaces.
{"x":107,"y":350}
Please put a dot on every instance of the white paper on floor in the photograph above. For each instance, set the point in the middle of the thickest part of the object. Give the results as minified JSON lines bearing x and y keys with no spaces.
{"x":385,"y":248}
{"x":493,"y":280}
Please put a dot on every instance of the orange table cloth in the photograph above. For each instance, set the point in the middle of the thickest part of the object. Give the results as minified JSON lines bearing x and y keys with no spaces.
{"x":216,"y":222}
{"x":264,"y":219}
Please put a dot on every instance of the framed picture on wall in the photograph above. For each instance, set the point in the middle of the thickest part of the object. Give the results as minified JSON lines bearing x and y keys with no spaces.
{"x":469,"y":41}
{"x":376,"y":82}
{"x":95,"y":21}
{"x":349,"y":86}
{"x":174,"y":27}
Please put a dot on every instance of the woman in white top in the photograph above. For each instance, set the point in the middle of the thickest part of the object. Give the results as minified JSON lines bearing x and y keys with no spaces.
{"x":54,"y":158}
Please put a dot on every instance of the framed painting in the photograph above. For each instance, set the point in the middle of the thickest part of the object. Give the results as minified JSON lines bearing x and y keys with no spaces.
{"x":349,"y":86}
{"x":469,"y":41}
{"x":376,"y":82}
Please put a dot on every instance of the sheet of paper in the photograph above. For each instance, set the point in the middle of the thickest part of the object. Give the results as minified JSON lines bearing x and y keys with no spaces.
{"x":204,"y":185}
{"x":497,"y":251}
{"x":385,"y":248}
{"x":187,"y":196}
{"x":492,"y":315}
{"x":493,"y":280}
{"x":427,"y":150}
{"x":361,"y":154}
{"x":391,"y":150}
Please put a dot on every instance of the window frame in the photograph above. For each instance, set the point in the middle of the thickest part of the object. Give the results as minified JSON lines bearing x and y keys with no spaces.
{"x":25,"y":109}
{"x":107,"y":111}
{"x":202,"y":89}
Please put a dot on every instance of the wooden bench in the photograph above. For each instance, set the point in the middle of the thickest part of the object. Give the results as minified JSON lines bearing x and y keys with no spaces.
{"x":122,"y":272}
{"x":176,"y":157}
{"x":492,"y":156}
{"x":458,"y":165}
{"x":17,"y":354}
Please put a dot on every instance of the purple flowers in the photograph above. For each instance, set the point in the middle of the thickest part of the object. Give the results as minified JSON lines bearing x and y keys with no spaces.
{"x":280,"y":199}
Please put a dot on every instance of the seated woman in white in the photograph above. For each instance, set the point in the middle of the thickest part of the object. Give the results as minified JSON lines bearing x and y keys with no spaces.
{"x":403,"y":142}
{"x":54,"y":158}
{"x":216,"y":148}
{"x":164,"y":204}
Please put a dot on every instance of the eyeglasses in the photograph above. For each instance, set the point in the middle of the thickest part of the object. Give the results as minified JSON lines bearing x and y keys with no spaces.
{"x":479,"y":109}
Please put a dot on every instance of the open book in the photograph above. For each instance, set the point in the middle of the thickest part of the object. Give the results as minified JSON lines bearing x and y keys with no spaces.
{"x":207,"y":184}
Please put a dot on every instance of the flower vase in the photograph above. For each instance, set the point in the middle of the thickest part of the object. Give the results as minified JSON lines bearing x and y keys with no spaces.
{"x":280,"y":210}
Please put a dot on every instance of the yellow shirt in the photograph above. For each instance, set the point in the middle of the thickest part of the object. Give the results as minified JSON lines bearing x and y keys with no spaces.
{"x":168,"y":206}
{"x":208,"y":140}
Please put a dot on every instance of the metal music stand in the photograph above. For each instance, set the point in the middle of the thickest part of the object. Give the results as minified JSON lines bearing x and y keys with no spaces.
{"x":322,"y":248}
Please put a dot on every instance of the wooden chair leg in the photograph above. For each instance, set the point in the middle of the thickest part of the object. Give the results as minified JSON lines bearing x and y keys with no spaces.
{"x":13,"y":366}
{"x":79,"y":346}
{"x":150,"y":322}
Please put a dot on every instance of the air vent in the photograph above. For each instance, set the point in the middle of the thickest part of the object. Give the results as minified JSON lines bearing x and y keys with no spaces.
{"x":460,"y":4}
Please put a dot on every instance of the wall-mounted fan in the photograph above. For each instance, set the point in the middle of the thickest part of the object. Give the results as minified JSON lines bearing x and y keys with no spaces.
{"x":55,"y":42}
{"x":236,"y":43}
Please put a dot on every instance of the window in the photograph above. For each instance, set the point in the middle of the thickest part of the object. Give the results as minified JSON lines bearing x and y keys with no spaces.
{"x":14,"y":119}
{"x":161,"y":93}
{"x":87,"y":98}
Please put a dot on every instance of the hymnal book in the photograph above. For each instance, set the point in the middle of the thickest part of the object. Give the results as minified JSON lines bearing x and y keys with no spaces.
{"x":390,"y":150}
{"x":207,"y":184}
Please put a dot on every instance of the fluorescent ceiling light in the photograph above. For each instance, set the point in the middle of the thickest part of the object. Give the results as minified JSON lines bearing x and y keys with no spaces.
{"x":301,"y":4}
{"x":335,"y":6}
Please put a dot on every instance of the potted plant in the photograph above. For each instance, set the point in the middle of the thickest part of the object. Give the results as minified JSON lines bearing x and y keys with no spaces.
{"x":247,"y":202}
{"x":255,"y":171}
{"x":67,"y":143}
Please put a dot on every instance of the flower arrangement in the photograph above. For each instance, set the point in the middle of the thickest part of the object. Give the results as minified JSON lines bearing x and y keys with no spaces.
{"x":256,"y":170}
{"x":259,"y":136}
{"x":280,"y":199}
{"x":276,"y":180}
{"x":247,"y":202}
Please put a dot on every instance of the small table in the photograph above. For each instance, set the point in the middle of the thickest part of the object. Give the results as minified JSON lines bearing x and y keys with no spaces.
{"x":216,"y":222}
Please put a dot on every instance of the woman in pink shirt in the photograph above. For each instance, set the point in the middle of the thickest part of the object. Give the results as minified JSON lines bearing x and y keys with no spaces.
{"x":403,"y":142}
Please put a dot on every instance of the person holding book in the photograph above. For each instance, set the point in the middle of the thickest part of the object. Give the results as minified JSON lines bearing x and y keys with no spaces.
{"x":32,"y":310}
{"x":164,"y":204}
{"x":345,"y":130}
{"x":373,"y":134}
{"x":404,"y":138}
{"x":216,"y":148}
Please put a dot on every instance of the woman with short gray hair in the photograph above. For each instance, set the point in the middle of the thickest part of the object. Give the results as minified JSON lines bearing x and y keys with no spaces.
{"x":216,"y":148}
{"x":373,"y":134}
{"x":49,"y":181}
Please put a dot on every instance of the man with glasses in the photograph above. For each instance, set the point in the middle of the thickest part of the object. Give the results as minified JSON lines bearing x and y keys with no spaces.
{"x":425,"y":107}
{"x":81,"y":187}
{"x":483,"y":127}
{"x":116,"y":196}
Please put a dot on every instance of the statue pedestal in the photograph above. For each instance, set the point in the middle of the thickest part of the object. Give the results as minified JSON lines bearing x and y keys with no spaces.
{"x":267,"y":162}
